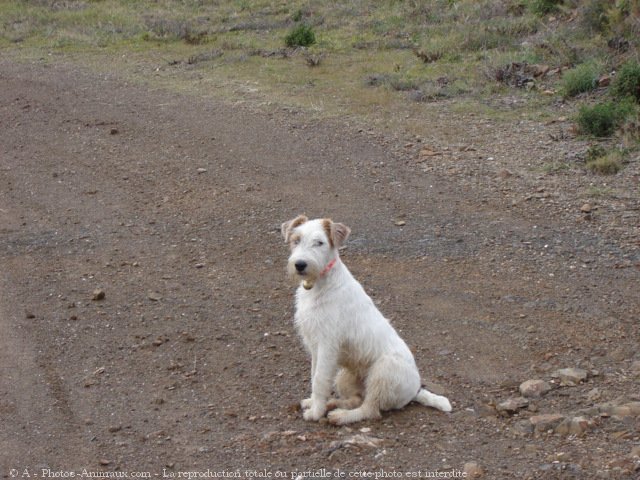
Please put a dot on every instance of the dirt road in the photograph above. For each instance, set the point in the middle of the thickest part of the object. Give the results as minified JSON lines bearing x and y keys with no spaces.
{"x":171,"y":205}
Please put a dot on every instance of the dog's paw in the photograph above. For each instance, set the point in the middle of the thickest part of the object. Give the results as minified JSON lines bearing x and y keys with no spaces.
{"x":306,"y":403}
{"x":339,"y":416}
{"x":313,"y":414}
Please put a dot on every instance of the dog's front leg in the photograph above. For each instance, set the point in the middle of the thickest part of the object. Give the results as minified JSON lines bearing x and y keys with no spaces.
{"x":307,"y":402}
{"x":324,"y":371}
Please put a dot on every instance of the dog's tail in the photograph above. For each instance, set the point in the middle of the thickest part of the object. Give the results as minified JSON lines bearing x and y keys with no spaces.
{"x":428,"y":399}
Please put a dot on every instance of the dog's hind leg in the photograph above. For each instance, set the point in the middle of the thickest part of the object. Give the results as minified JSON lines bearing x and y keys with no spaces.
{"x":349,"y":389}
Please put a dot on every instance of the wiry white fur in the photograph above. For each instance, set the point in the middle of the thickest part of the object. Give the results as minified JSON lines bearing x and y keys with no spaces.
{"x":354,"y":349}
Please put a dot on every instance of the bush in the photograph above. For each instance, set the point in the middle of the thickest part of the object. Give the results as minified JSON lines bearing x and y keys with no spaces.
{"x":627,"y":82}
{"x":542,"y":7}
{"x":603,"y":119}
{"x":583,"y":78}
{"x":607,"y":164}
{"x":300,"y":36}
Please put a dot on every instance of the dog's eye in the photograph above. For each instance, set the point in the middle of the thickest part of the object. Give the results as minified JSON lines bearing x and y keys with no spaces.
{"x":319,"y":243}
{"x":296,"y":241}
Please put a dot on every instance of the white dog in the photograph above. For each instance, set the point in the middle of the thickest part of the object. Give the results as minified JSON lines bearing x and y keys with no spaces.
{"x":353,"y":347}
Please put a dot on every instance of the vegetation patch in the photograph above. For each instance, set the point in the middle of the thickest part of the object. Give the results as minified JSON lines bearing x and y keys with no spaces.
{"x":608,"y":163}
{"x":581,"y":79}
{"x":602,"y":120}
{"x":627,"y":82}
{"x":301,"y":36}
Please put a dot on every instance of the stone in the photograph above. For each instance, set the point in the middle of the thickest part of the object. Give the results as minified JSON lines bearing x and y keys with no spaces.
{"x":586,"y":208}
{"x":512,"y":405}
{"x":570,"y":376}
{"x":154,"y":296}
{"x":534,"y":388}
{"x":635,"y":368}
{"x":544,"y":423}
{"x":473,"y":470}
{"x":593,"y":395}
{"x":573,"y":426}
{"x":631,"y":409}
{"x":98,"y":294}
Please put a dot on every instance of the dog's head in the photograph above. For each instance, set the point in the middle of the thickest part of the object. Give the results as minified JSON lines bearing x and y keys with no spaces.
{"x":314,"y":245}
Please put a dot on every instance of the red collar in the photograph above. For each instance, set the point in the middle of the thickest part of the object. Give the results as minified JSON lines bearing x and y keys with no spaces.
{"x":329,"y":266}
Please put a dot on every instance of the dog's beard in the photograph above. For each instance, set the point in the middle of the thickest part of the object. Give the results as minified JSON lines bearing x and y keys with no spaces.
{"x":308,"y":277}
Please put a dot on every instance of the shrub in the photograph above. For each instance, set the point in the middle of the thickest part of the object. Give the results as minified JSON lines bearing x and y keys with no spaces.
{"x":607,"y":164}
{"x":603,"y":119}
{"x":542,"y":7}
{"x":627,"y":82}
{"x":300,"y":36}
{"x":583,"y":78}
{"x":594,"y":15}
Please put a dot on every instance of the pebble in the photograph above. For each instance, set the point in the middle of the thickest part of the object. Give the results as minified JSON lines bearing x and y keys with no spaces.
{"x":593,"y":395}
{"x":98,"y":294}
{"x":570,"y":376}
{"x":473,"y":470}
{"x":512,"y":405}
{"x":154,"y":296}
{"x":545,"y":422}
{"x":534,"y":388}
{"x":586,"y":208}
{"x":573,"y":426}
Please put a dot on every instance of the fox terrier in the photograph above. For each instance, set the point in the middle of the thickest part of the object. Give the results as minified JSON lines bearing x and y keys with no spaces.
{"x":354,"y":349}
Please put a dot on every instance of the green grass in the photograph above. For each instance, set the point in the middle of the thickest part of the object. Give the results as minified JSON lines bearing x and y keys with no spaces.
{"x":300,"y":36}
{"x":581,"y":79}
{"x":240,"y":42}
{"x":603,"y":119}
{"x":607,"y":164}
{"x":627,"y":82}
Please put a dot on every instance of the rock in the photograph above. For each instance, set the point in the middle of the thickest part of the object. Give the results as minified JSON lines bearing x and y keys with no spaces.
{"x":573,"y":426}
{"x":473,"y":470}
{"x":360,"y":440}
{"x":586,"y":208}
{"x":635,"y":452}
{"x":201,"y":170}
{"x":631,"y":409}
{"x":428,"y":152}
{"x":154,"y":296}
{"x":570,"y":376}
{"x":523,"y":428}
{"x":104,"y":462}
{"x":484,"y":410}
{"x":512,"y":405}
{"x":534,"y":388}
{"x":400,"y":223}
{"x":544,"y":423}
{"x":593,"y":395}
{"x":635,"y":367}
{"x":98,"y":294}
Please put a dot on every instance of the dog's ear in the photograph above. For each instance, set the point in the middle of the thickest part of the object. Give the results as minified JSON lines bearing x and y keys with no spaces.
{"x":339,"y":234}
{"x":287,"y":227}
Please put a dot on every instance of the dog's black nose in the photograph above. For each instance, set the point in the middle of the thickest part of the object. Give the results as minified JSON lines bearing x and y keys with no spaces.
{"x":301,"y":265}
